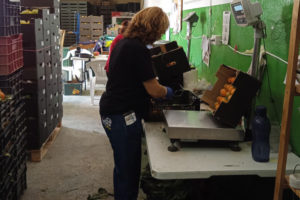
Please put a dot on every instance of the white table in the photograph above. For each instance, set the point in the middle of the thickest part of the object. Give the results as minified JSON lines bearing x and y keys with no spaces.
{"x":200,"y":162}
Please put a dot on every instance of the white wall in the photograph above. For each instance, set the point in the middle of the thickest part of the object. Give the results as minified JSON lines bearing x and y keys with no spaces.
{"x":187,"y":4}
{"x":164,"y":4}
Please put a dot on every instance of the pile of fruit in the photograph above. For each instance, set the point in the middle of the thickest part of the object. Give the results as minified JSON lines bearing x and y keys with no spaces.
{"x":225,"y":93}
{"x":2,"y":95}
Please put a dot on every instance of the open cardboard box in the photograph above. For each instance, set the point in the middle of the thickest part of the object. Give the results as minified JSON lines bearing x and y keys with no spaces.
{"x":230,"y":113}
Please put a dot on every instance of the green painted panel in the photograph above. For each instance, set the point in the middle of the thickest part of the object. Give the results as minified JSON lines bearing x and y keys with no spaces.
{"x":277,"y":17}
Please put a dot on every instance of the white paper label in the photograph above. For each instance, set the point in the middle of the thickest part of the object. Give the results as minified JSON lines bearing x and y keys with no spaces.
{"x":130,"y":119}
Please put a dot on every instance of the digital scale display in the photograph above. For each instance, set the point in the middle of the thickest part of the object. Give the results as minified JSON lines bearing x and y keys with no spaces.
{"x":238,"y":8}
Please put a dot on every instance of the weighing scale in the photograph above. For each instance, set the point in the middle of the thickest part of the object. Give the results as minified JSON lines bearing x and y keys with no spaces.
{"x":199,"y":125}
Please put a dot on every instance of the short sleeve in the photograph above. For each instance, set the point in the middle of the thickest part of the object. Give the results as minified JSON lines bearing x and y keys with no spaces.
{"x":143,"y":65}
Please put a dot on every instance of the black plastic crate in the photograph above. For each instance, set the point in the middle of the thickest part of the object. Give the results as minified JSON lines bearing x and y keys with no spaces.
{"x":33,"y":35}
{"x":33,"y":58}
{"x":55,"y":11}
{"x":35,"y":105}
{"x":55,"y":54}
{"x":40,"y":3}
{"x":12,"y":83}
{"x":7,"y":138}
{"x":8,"y":162}
{"x":21,"y":142}
{"x":21,"y":185}
{"x":35,"y":73}
{"x":37,"y":129}
{"x":9,"y":18}
{"x":20,"y":126}
{"x":59,"y":84}
{"x":7,"y":186}
{"x":169,"y":67}
{"x":182,"y":100}
{"x":47,"y":55}
{"x":6,"y":113}
{"x":54,"y":38}
{"x":245,"y":87}
{"x":43,"y":14}
{"x":54,"y":20}
{"x":49,"y":81}
{"x":35,"y":87}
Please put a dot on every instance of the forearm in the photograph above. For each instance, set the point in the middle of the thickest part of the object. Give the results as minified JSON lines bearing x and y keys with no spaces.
{"x":154,"y":89}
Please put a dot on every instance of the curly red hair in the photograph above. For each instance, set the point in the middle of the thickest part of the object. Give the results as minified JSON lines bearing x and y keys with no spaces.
{"x":148,"y":25}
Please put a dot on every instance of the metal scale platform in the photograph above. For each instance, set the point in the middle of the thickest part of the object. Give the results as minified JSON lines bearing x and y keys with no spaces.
{"x":198,"y":125}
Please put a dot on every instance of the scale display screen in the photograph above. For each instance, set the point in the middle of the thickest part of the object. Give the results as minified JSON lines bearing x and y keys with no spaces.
{"x":238,"y":8}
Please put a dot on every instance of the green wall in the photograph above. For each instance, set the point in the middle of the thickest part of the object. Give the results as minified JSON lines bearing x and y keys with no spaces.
{"x":277,"y":17}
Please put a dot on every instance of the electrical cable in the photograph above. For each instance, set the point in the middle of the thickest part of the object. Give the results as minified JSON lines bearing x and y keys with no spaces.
{"x":269,"y":86}
{"x":270,"y":54}
{"x":244,"y":54}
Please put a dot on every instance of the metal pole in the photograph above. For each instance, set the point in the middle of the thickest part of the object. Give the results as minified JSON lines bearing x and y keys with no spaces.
{"x":189,"y":35}
{"x":258,"y":35}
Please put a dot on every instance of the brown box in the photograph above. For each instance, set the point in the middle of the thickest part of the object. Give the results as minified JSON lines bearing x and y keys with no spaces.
{"x":85,"y":32}
{"x":85,"y":25}
{"x":84,"y":38}
{"x":97,"y":32}
{"x":97,"y":25}
{"x":96,"y":19}
{"x":246,"y":86}
{"x":91,"y":19}
{"x":94,"y":37}
{"x":84,"y":19}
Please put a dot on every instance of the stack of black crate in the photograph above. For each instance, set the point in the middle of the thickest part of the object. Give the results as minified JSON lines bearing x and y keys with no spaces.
{"x":68,"y":18}
{"x":12,"y":113}
{"x":42,"y":70}
{"x":105,"y":9}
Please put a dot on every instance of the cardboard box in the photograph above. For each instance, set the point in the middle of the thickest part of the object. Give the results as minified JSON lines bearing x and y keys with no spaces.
{"x":97,"y":32}
{"x":246,"y":86}
{"x":85,"y":32}
{"x":85,"y":38}
{"x":91,"y":19}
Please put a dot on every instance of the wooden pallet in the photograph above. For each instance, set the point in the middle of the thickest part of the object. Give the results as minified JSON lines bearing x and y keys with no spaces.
{"x":38,"y":155}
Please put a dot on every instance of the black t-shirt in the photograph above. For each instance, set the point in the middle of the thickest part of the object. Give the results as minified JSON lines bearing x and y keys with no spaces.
{"x":129,"y":66}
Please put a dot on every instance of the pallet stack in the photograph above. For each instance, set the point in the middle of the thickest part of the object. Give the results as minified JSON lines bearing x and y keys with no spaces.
{"x":42,"y":71}
{"x":12,"y":113}
{"x":91,"y":28}
{"x":128,"y":7}
{"x":105,"y":8}
{"x":69,"y":9}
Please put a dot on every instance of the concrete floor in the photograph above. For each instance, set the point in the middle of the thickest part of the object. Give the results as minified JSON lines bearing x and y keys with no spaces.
{"x":79,"y":161}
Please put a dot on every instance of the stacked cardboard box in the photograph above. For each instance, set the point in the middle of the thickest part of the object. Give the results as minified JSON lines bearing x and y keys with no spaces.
{"x":91,"y":28}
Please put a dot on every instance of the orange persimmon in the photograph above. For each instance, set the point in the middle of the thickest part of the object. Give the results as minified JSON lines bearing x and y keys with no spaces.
{"x":228,"y":87}
{"x":231,"y":80}
{"x":2,"y":95}
{"x":223,"y":92}
{"x":217,"y":105}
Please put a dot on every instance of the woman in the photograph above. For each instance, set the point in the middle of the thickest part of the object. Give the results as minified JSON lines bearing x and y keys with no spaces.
{"x":119,"y":37}
{"x":131,"y":82}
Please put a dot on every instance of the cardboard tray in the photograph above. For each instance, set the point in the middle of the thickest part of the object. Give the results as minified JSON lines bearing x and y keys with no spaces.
{"x":230,"y":113}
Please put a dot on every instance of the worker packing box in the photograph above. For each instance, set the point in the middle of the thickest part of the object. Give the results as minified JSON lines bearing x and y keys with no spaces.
{"x":73,"y":88}
{"x":169,"y":63}
{"x":231,"y":96}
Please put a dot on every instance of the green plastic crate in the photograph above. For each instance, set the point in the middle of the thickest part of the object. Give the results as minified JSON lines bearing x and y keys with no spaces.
{"x":73,"y":88}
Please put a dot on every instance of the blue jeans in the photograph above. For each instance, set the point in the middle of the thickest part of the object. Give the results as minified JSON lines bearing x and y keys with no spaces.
{"x":125,"y":138}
